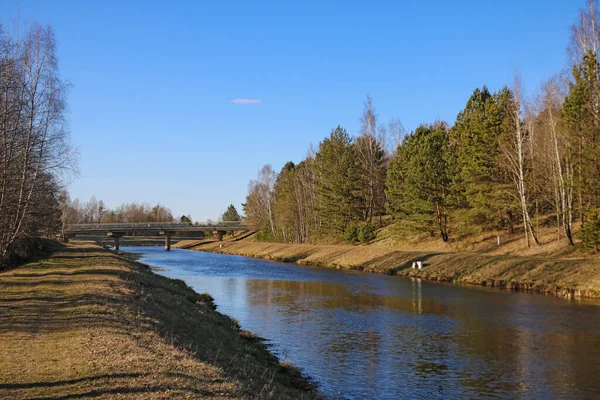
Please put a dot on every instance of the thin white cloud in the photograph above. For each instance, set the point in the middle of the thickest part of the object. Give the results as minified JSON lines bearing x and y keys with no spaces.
{"x":246,"y":101}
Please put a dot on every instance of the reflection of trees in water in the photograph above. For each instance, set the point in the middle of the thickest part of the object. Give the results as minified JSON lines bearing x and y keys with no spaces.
{"x":449,"y":339}
{"x":230,"y":288}
{"x":417,"y":295}
{"x":563,"y":354}
{"x":305,"y":296}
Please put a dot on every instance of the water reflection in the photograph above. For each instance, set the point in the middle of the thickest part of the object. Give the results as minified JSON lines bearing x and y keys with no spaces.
{"x":372,"y":336}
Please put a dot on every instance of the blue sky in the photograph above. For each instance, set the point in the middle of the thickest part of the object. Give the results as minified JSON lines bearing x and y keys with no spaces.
{"x":152,"y":82}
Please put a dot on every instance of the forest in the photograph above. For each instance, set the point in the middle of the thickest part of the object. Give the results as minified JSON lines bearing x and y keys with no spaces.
{"x":506,"y":162}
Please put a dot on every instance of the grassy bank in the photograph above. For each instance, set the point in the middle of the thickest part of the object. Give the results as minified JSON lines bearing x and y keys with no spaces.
{"x":561,"y":276}
{"x":87,"y":323}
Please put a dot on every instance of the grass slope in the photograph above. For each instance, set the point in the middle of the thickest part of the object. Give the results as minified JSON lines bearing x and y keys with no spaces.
{"x":568,"y":276}
{"x":85,"y":323}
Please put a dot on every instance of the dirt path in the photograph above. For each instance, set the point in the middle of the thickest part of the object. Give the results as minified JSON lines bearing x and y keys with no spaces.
{"x":85,"y":323}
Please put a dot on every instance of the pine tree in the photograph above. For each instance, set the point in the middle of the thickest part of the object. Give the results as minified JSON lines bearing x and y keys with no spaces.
{"x":418,"y":180}
{"x":480,"y":183}
{"x":581,"y":113}
{"x":231,"y":214}
{"x":370,"y":161}
{"x":589,"y":234}
{"x":285,"y":205}
{"x":338,"y":189}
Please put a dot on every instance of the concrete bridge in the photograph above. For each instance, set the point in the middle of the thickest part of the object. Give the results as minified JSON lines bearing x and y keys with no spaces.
{"x":166,"y":229}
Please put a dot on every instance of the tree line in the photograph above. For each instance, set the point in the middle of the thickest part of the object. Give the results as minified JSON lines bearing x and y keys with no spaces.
{"x":505,"y":161}
{"x":95,"y":211}
{"x":35,"y":151}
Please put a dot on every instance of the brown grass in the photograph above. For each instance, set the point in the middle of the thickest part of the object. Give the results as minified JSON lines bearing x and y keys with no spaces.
{"x":553,"y":267}
{"x":86,"y":323}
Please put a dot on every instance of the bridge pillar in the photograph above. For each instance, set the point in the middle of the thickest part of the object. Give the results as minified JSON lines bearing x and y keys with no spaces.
{"x":220,"y":235}
{"x":167,"y":235}
{"x":116,"y":236}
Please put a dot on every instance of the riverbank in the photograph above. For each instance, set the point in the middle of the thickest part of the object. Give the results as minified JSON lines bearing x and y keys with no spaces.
{"x":564,"y":277}
{"x":85,"y":322}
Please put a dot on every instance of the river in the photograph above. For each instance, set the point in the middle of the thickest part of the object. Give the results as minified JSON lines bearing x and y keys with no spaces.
{"x":369,"y":336}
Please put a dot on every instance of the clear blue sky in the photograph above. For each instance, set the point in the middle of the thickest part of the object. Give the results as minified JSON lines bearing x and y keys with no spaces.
{"x":150,"y":106}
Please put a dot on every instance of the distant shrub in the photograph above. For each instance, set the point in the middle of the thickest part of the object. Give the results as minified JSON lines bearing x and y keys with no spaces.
{"x":590,"y":233}
{"x":366,"y":232}
{"x":351,"y":233}
{"x":265,"y":235}
{"x":362,"y":232}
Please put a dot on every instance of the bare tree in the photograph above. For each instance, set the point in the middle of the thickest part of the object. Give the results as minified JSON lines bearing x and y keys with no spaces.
{"x":259,"y":200}
{"x":562,"y":170}
{"x":35,"y":147}
{"x":513,"y":151}
{"x":371,"y":162}
{"x":585,"y":35}
{"x":395,"y":133}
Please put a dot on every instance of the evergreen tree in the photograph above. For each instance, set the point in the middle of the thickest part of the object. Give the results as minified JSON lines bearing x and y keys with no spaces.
{"x":581,"y":113}
{"x":285,"y":205}
{"x":231,"y":214}
{"x":370,"y":158}
{"x":418,"y":180}
{"x":338,"y":186}
{"x":589,"y":234}
{"x":480,"y":183}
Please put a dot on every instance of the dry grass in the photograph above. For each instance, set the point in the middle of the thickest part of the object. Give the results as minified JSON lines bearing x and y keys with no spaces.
{"x":85,"y":323}
{"x":553,"y":267}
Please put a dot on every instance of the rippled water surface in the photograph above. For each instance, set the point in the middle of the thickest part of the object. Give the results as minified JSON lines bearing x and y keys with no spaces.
{"x":365,"y":336}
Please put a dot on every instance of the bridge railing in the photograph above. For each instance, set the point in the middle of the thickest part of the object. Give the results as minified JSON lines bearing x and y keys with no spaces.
{"x":152,"y":226}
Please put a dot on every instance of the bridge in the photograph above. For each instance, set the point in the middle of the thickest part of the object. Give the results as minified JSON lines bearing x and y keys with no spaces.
{"x":166,"y":229}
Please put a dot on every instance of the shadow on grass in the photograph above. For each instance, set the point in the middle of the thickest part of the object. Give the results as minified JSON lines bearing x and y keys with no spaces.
{"x":30,"y":250}
{"x":72,"y":292}
{"x":91,"y":272}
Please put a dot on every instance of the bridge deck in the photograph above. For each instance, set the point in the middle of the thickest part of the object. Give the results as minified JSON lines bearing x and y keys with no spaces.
{"x":151,"y":227}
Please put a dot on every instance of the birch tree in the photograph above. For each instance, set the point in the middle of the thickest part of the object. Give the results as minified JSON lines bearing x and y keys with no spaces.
{"x":370,"y":163}
{"x":34,"y":141}
{"x":514,"y":154}
{"x":561,"y":154}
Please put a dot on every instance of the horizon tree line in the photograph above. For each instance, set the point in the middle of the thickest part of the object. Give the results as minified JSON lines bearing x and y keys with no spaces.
{"x":505,"y":160}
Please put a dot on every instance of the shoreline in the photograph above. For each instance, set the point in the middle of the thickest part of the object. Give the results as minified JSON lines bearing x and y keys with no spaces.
{"x":566,"y":278}
{"x":97,"y":323}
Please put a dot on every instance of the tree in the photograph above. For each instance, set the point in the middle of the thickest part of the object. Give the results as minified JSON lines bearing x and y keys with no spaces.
{"x":560,"y":152}
{"x":337,"y":185}
{"x":395,"y":133}
{"x":590,"y":233}
{"x":185,"y":219}
{"x":585,"y":35}
{"x":581,"y":114}
{"x":34,"y":143}
{"x":418,"y":180}
{"x":285,"y":206}
{"x":231,"y":214}
{"x":370,"y":164}
{"x":258,"y":207}
{"x":480,"y":184}
{"x":513,"y":152}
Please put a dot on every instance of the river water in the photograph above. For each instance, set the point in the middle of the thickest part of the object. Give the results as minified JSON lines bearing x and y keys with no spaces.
{"x":369,"y":336}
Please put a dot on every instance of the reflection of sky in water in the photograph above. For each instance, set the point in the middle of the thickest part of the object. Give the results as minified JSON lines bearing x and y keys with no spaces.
{"x":373,"y":336}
